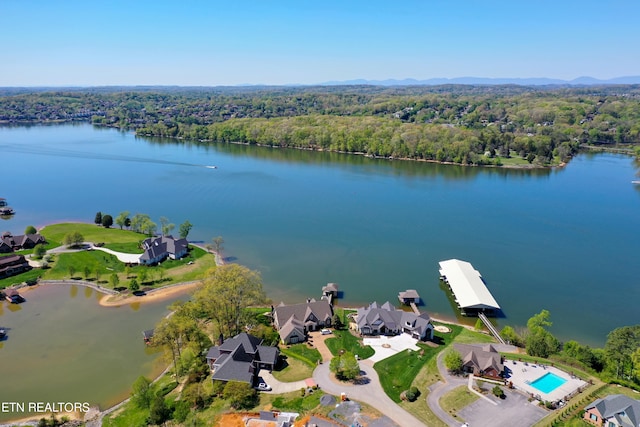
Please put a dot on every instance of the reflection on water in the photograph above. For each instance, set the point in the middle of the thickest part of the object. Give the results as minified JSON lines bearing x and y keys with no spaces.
{"x":385,"y":166}
{"x":72,"y":347}
{"x":303,"y":219}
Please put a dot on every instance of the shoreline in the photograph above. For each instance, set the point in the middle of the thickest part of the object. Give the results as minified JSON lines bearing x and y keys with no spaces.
{"x":112,"y":299}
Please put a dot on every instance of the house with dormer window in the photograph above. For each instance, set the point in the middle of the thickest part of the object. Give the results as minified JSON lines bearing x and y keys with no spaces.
{"x":294,"y":321}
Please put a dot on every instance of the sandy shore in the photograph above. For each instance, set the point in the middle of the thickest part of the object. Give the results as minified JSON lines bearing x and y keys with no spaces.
{"x":107,"y":300}
{"x":154,"y":295}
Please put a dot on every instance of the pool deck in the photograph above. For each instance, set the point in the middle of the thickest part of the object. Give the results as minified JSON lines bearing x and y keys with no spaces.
{"x":521,"y":375}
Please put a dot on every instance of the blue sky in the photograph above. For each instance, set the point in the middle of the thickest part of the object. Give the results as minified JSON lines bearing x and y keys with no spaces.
{"x":189,"y":42}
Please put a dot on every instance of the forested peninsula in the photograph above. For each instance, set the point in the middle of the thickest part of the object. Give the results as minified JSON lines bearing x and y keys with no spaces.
{"x":505,"y":125}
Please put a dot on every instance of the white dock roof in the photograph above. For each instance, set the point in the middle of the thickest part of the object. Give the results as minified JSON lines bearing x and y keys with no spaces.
{"x":467,"y":285}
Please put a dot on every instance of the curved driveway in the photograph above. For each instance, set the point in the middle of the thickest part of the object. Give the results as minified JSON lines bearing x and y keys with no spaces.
{"x":442,"y":388}
{"x":368,"y":391}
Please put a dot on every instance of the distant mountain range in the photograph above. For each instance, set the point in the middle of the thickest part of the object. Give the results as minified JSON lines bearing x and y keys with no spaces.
{"x":542,"y":81}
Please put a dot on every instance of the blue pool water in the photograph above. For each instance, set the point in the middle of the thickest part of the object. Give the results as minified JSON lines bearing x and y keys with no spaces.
{"x":548,"y":382}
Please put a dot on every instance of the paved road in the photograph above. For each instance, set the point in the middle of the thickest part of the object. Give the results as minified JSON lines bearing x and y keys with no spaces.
{"x":370,"y":392}
{"x":441,"y":388}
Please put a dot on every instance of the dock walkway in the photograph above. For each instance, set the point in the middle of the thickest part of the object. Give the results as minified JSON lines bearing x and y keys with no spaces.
{"x":414,"y":307}
{"x":491,"y":328}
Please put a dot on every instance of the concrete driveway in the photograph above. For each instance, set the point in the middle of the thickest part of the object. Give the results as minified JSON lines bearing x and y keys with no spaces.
{"x":388,"y":346}
{"x":368,"y":391}
{"x":278,"y":387}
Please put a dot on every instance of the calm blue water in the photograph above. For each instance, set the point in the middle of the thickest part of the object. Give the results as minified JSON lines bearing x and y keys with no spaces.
{"x":548,"y":382}
{"x":564,"y":240}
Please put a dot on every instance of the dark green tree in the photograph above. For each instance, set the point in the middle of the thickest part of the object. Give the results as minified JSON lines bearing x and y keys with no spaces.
{"x":134,"y":286}
{"x":98,"y":218}
{"x":107,"y":221}
{"x":30,"y":229}
{"x":158,"y":411}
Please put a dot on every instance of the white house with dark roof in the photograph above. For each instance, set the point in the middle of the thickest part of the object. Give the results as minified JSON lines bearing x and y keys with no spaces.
{"x":240,"y":358}
{"x":157,"y":249}
{"x":294,"y":321}
{"x":387,"y":320}
{"x":616,"y":410}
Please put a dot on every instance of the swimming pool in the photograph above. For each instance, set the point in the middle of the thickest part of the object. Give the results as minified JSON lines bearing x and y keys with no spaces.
{"x":548,"y":382}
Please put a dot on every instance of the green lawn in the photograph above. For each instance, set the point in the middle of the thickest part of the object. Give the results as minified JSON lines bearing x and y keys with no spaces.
{"x":126,"y":247}
{"x":294,"y":402}
{"x":467,"y":336}
{"x":302,"y":352}
{"x":24,"y":277}
{"x":295,"y":370}
{"x":457,"y":399}
{"x":398,"y":372}
{"x":91,"y":233}
{"x":344,"y":340}
{"x":100,"y":265}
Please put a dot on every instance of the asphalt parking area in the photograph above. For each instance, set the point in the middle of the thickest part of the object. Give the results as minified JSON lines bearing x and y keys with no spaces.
{"x":513,"y":411}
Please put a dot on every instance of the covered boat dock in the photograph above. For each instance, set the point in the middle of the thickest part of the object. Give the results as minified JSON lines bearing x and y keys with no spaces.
{"x":469,"y":290}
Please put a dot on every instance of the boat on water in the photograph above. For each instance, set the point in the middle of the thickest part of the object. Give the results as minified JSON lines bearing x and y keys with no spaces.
{"x":5,"y":209}
{"x":635,"y":182}
{"x":3,"y":333}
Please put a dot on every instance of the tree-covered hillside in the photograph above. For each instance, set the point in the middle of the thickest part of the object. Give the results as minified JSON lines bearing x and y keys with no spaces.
{"x":462,"y":124}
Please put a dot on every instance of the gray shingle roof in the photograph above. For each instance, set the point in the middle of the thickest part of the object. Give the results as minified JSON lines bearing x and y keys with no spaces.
{"x":624,"y":409}
{"x":480,"y":357}
{"x":376,"y":315}
{"x":319,"y":309}
{"x":235,"y":359}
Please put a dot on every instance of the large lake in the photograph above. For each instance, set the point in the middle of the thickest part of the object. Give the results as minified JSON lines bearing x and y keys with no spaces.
{"x":565,"y":240}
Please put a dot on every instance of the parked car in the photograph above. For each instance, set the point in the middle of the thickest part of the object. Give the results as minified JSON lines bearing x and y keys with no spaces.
{"x":325,"y":331}
{"x":263,"y":387}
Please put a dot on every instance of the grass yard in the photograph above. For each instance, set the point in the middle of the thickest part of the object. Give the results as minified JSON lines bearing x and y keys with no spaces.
{"x":294,"y":402}
{"x":344,"y":340}
{"x":24,"y":277}
{"x":397,"y":373}
{"x":457,"y":399}
{"x":91,"y":233}
{"x":294,"y":370}
{"x":98,"y":266}
{"x":420,"y":409}
{"x":302,"y":352}
{"x":127,"y":247}
{"x":466,"y":336}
